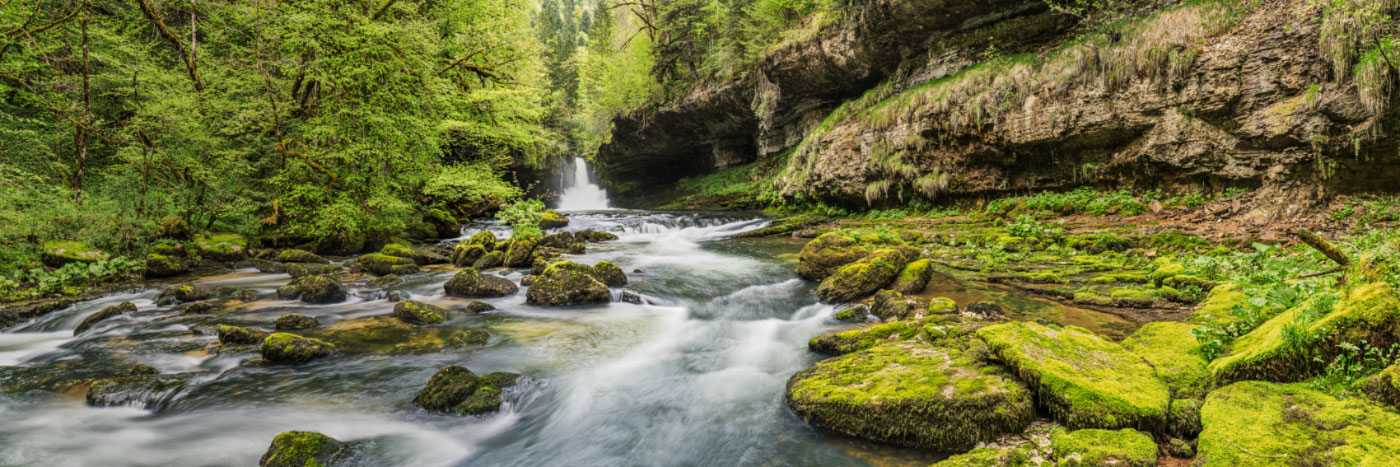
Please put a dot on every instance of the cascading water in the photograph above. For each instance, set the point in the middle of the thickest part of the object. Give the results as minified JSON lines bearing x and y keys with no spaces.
{"x":580,"y":193}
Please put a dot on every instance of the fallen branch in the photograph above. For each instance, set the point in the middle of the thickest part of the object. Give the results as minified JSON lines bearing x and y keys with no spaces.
{"x":1319,"y":244}
{"x":1319,"y":273}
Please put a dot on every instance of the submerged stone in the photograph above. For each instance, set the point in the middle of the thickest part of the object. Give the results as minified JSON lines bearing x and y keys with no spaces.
{"x":104,"y":314}
{"x":237,"y":335}
{"x":470,"y":283}
{"x":301,"y":449}
{"x":416,"y":312}
{"x":296,"y":322}
{"x":1254,"y":423}
{"x":145,"y":390}
{"x":455,"y":390}
{"x":293,"y":349}
{"x":941,"y":398}
{"x":1093,"y":448}
{"x":567,"y":283}
{"x":1084,"y":380}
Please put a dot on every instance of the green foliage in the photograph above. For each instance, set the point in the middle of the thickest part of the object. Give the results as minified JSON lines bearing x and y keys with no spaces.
{"x":69,"y":279}
{"x":1082,"y":200}
{"x":470,"y":183}
{"x":1027,"y":227}
{"x":524,"y":217}
{"x":1352,"y":364}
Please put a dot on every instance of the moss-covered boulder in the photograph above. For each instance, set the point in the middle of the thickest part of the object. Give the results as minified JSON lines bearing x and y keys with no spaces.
{"x":476,"y":306}
{"x":594,"y":236}
{"x":521,"y":252}
{"x":822,"y":256}
{"x":221,"y":246}
{"x":1286,"y":348}
{"x":381,"y":264}
{"x":295,"y":322}
{"x":553,"y":219}
{"x":911,"y":394}
{"x":560,"y":240}
{"x":844,"y":342}
{"x":388,"y":335}
{"x":609,"y":274}
{"x":889,"y":305}
{"x":1084,"y":380}
{"x":455,"y":390}
{"x":174,"y":227}
{"x":292,"y":349}
{"x":237,"y":335}
{"x":1103,"y":448}
{"x":1383,"y":387}
{"x":914,"y":277}
{"x":416,"y":312}
{"x":103,"y":315}
{"x":189,"y":293}
{"x":852,"y":312}
{"x":490,"y":260}
{"x":302,"y":449}
{"x":466,"y":254}
{"x":865,"y":276}
{"x":407,"y":252}
{"x":321,"y":289}
{"x":288,"y":292}
{"x":470,"y":283}
{"x":1254,"y":423}
{"x":299,"y":256}
{"x":1175,"y":355}
{"x":161,"y":266}
{"x":57,"y":253}
{"x":484,"y":238}
{"x":567,"y":283}
{"x":1216,"y":309}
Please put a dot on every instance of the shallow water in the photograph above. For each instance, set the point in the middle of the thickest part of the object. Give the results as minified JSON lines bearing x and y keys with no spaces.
{"x":695,"y":378}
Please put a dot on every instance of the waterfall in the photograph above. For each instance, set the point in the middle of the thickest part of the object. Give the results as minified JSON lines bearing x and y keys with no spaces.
{"x":580,"y":193}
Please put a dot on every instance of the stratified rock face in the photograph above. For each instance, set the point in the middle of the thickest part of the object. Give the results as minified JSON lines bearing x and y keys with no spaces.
{"x":1093,"y":448}
{"x":301,"y":449}
{"x":1254,"y":423}
{"x":1084,"y":380}
{"x":566,"y":283}
{"x":293,"y":349}
{"x":912,"y":394}
{"x":470,"y":283}
{"x":455,"y":390}
{"x":104,"y":314}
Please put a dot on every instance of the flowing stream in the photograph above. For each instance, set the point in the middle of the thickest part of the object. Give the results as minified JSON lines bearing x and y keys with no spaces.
{"x":695,"y":377}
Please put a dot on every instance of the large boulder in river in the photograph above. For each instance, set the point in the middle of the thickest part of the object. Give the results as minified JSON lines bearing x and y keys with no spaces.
{"x":609,"y":274}
{"x":594,"y":236}
{"x":416,"y":312}
{"x":567,"y":283}
{"x":299,"y":256}
{"x":60,"y":252}
{"x":914,"y":277}
{"x":489,"y":260}
{"x":381,"y":264}
{"x":161,"y":266}
{"x":824,"y":255}
{"x":466,"y":254}
{"x":521,"y":252}
{"x":942,"y":398}
{"x":407,"y":252}
{"x":553,"y":219}
{"x":470,"y":283}
{"x":293,"y":349}
{"x":1254,"y":423}
{"x":104,"y":314}
{"x":484,"y":238}
{"x":1084,"y":380}
{"x":321,"y":289}
{"x":302,"y":449}
{"x":238,"y":335}
{"x":455,"y":390}
{"x":865,"y":276}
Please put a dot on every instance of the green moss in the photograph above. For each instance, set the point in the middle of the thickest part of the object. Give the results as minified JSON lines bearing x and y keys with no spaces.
{"x":914,"y":277}
{"x":567,"y":283}
{"x":822,"y":256}
{"x":1126,"y":447}
{"x":406,"y":252}
{"x":609,"y":274}
{"x":456,"y":390}
{"x":1084,"y":380}
{"x":471,"y":283}
{"x":1086,"y":297}
{"x":865,"y":276}
{"x":299,"y":256}
{"x":221,"y":246}
{"x":381,"y":264}
{"x":1182,"y":281}
{"x":282,"y":347}
{"x":416,"y":312}
{"x":942,"y":305}
{"x":1215,"y":310}
{"x":1175,"y":356}
{"x":1134,"y":277}
{"x":301,"y":449}
{"x":1383,"y":387}
{"x":484,"y":238}
{"x":1254,"y":423}
{"x":1166,"y":270}
{"x":57,"y":253}
{"x":235,"y":335}
{"x":942,"y":398}
{"x":553,"y":220}
{"x":521,"y":252}
{"x":1126,"y":297}
{"x":845,"y":342}
{"x":321,"y":289}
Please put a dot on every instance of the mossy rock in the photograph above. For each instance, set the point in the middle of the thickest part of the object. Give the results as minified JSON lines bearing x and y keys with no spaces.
{"x":162,"y":266}
{"x":381,"y":264}
{"x":594,"y":236}
{"x":1285,"y":349}
{"x":911,"y":394}
{"x":1383,"y":387}
{"x":854,"y":340}
{"x":1165,"y":271}
{"x":60,"y":252}
{"x":466,"y":254}
{"x":475,"y":306}
{"x":1106,"y":448}
{"x":891,"y":306}
{"x":553,"y":220}
{"x":864,"y":276}
{"x":941,"y":306}
{"x":1120,"y":278}
{"x":490,"y":260}
{"x":174,"y":227}
{"x":822,"y":256}
{"x":388,"y":335}
{"x":1133,"y":298}
{"x":321,"y":289}
{"x":1175,"y":354}
{"x":221,"y":246}
{"x":455,"y":390}
{"x":856,"y":312}
{"x":297,"y":270}
{"x":416,"y":312}
{"x":407,"y":252}
{"x":914,"y":277}
{"x":1099,"y":242}
{"x":288,"y":292}
{"x":561,"y":240}
{"x":1084,"y":380}
{"x":189,"y":293}
{"x":567,"y":283}
{"x":1021,"y":455}
{"x":236,"y":335}
{"x":1216,"y":309}
{"x":1254,"y":423}
{"x":302,"y":449}
{"x":470,"y":283}
{"x":299,"y":256}
{"x":292,"y":349}
{"x":1184,"y":281}
{"x":484,"y":238}
{"x":103,"y":315}
{"x":296,"y":322}
{"x":1088,"y":297}
{"x":609,"y":274}
{"x":141,"y":389}
{"x":521,"y":252}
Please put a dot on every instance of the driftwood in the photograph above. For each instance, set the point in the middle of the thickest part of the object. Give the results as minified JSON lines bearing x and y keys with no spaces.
{"x":1327,"y":249}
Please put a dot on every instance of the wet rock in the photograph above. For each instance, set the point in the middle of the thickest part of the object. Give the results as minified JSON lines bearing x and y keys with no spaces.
{"x":236,"y":335}
{"x":490,"y":260}
{"x":553,"y":220}
{"x":1254,"y":423}
{"x":302,"y":449}
{"x":470,"y":283}
{"x":985,"y":310}
{"x":15,"y":313}
{"x":562,"y":240}
{"x":594,"y":236}
{"x":145,"y":390}
{"x":567,"y":283}
{"x":292,"y":349}
{"x":892,"y":306}
{"x":577,"y":249}
{"x":57,"y":253}
{"x":1085,"y":381}
{"x":385,"y":281}
{"x":161,"y":266}
{"x":527,"y":280}
{"x":914,"y":277}
{"x":299,"y":256}
{"x":381,"y":264}
{"x":416,"y":312}
{"x":288,"y":292}
{"x":298,"y":270}
{"x":466,"y":254}
{"x":484,"y":238}
{"x":140,"y":370}
{"x":455,"y":390}
{"x":405,"y":251}
{"x":855,"y":312}
{"x":295,"y":322}
{"x":1030,"y":448}
{"x":387,"y":335}
{"x":1177,"y":447}
{"x":1126,"y":448}
{"x":521,"y":252}
{"x":822,"y":256}
{"x":941,"y":306}
{"x":104,"y":314}
{"x":469,"y":338}
{"x":475,"y":306}
{"x":628,"y":296}
{"x":865,"y":276}
{"x":246,"y":295}
{"x":321,"y":289}
{"x":609,"y":274}
{"x":221,"y":247}
{"x":854,"y":340}
{"x":537,"y":267}
{"x":941,"y":398}
{"x":202,"y":307}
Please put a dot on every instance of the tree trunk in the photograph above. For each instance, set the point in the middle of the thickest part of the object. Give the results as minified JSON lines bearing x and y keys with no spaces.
{"x":81,"y":162}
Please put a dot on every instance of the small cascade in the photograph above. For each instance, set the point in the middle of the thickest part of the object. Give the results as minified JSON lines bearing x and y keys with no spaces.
{"x":580,"y":193}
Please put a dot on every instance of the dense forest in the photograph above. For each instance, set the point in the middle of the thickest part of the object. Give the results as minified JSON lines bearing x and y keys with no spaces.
{"x":700,"y":232}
